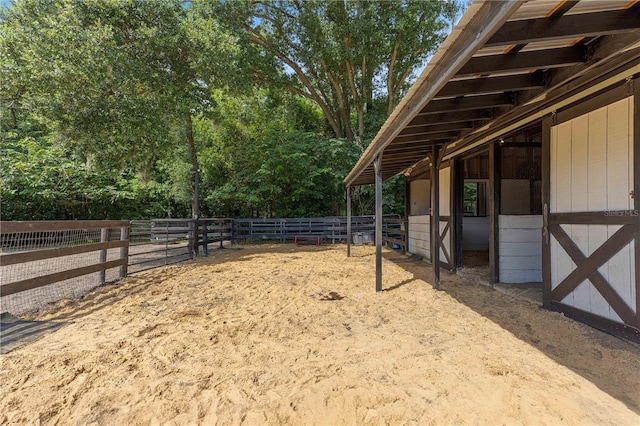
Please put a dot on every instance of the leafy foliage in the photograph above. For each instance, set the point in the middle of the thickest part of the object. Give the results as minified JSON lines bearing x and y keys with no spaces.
{"x":106,"y":106}
{"x":339,"y":54}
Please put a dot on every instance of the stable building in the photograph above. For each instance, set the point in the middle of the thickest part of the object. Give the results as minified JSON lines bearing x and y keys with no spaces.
{"x":520,"y":148}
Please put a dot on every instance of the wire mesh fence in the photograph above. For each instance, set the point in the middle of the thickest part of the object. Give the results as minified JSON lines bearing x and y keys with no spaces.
{"x":43,"y":262}
{"x":154,"y":243}
{"x":46,"y":261}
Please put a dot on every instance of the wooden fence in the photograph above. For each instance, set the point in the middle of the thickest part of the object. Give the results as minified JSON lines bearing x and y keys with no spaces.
{"x":34,"y":255}
{"x":285,"y":229}
{"x":24,"y":244}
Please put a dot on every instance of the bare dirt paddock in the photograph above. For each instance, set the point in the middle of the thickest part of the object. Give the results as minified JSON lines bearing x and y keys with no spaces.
{"x":297,"y":335}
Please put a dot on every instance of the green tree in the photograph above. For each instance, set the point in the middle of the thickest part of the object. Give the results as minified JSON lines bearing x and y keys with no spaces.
{"x":122,"y":79}
{"x":339,"y":54}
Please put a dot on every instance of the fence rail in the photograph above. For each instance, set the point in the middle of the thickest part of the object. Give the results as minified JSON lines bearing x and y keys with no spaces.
{"x":44,"y":261}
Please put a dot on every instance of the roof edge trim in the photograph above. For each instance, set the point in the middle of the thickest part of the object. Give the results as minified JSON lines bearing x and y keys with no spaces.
{"x":477,"y":25}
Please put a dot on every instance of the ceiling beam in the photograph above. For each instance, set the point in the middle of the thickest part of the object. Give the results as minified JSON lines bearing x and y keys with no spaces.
{"x":451,"y":117}
{"x":436,"y":128}
{"x":492,"y":85}
{"x":467,"y":103}
{"x":432,"y":138}
{"x":568,"y":26}
{"x":523,"y":61}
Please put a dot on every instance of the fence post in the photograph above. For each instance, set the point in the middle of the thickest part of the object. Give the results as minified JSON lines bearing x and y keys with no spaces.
{"x":231,"y":226}
{"x":104,"y":237}
{"x":124,"y":251}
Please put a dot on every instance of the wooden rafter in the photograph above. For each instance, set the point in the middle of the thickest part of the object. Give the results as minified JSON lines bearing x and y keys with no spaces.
{"x":437,"y":128}
{"x":452,"y":117}
{"x":568,"y":26}
{"x":468,"y":103}
{"x":492,"y":85}
{"x":524,"y":61}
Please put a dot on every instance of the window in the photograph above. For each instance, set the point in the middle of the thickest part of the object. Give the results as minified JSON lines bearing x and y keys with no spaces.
{"x":475,"y":199}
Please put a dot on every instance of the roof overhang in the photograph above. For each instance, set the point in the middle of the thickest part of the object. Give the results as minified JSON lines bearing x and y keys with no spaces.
{"x":503,"y":60}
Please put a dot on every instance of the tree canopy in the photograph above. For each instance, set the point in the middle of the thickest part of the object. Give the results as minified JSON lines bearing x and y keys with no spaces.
{"x":106,"y":106}
{"x":339,"y":54}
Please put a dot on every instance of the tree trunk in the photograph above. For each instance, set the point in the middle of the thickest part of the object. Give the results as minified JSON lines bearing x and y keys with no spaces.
{"x":194,"y":159}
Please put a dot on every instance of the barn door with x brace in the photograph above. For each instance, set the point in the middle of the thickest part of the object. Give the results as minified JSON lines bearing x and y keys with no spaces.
{"x":591,"y":217}
{"x":446,"y":228}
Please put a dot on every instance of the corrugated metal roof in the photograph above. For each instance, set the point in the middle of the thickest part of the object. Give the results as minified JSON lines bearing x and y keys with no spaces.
{"x":500,"y":57}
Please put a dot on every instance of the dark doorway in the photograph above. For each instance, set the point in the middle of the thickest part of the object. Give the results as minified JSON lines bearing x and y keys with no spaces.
{"x":475,"y":226}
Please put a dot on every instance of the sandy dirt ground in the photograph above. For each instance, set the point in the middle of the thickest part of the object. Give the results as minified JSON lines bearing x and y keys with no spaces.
{"x":297,"y":335}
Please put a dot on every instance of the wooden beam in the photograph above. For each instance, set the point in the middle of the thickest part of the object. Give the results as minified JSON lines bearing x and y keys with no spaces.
{"x":451,"y":117}
{"x":31,"y":283}
{"x":492,"y":84}
{"x":378,"y":235}
{"x":435,"y":216}
{"x":605,"y":61}
{"x":494,"y":212}
{"x":436,"y":128}
{"x":426,"y":137}
{"x":547,"y":123}
{"x":7,"y":259}
{"x":568,"y":26}
{"x":636,"y":190}
{"x":348,"y":221}
{"x":484,"y":18}
{"x":524,"y":61}
{"x":467,"y":103}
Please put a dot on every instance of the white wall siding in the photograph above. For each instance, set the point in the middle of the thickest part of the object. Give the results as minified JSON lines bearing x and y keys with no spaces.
{"x":592,"y":170}
{"x":520,"y":248}
{"x":419,"y":236}
{"x":445,"y":210}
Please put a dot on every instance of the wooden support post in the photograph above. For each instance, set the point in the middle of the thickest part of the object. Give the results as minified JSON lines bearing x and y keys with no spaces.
{"x":435,"y":216}
{"x":457,"y":213}
{"x":205,"y":236}
{"x":348,"y":221}
{"x":104,"y":237}
{"x":546,"y":197}
{"x":124,"y":251}
{"x":635,"y":85}
{"x":494,"y":212}
{"x":377,"y":165}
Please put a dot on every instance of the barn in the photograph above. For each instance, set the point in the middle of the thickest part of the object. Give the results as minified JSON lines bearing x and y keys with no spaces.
{"x":520,"y":148}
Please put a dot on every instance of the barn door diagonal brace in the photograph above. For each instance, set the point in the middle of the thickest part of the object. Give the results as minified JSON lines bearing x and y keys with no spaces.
{"x":587,"y":268}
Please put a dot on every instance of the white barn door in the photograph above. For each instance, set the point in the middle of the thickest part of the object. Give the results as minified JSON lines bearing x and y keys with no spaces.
{"x":590,"y":216}
{"x":446,"y":258}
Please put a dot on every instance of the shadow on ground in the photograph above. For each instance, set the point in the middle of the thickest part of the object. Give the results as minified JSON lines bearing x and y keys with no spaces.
{"x":553,"y":341}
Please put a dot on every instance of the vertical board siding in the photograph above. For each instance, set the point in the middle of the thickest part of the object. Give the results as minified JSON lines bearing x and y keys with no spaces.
{"x":520,"y":248}
{"x":445,"y":191}
{"x":579,"y":199}
{"x":592,"y":170}
{"x":419,"y":236}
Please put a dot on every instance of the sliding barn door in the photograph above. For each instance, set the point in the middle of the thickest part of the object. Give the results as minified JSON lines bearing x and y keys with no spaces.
{"x":591,"y":219}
